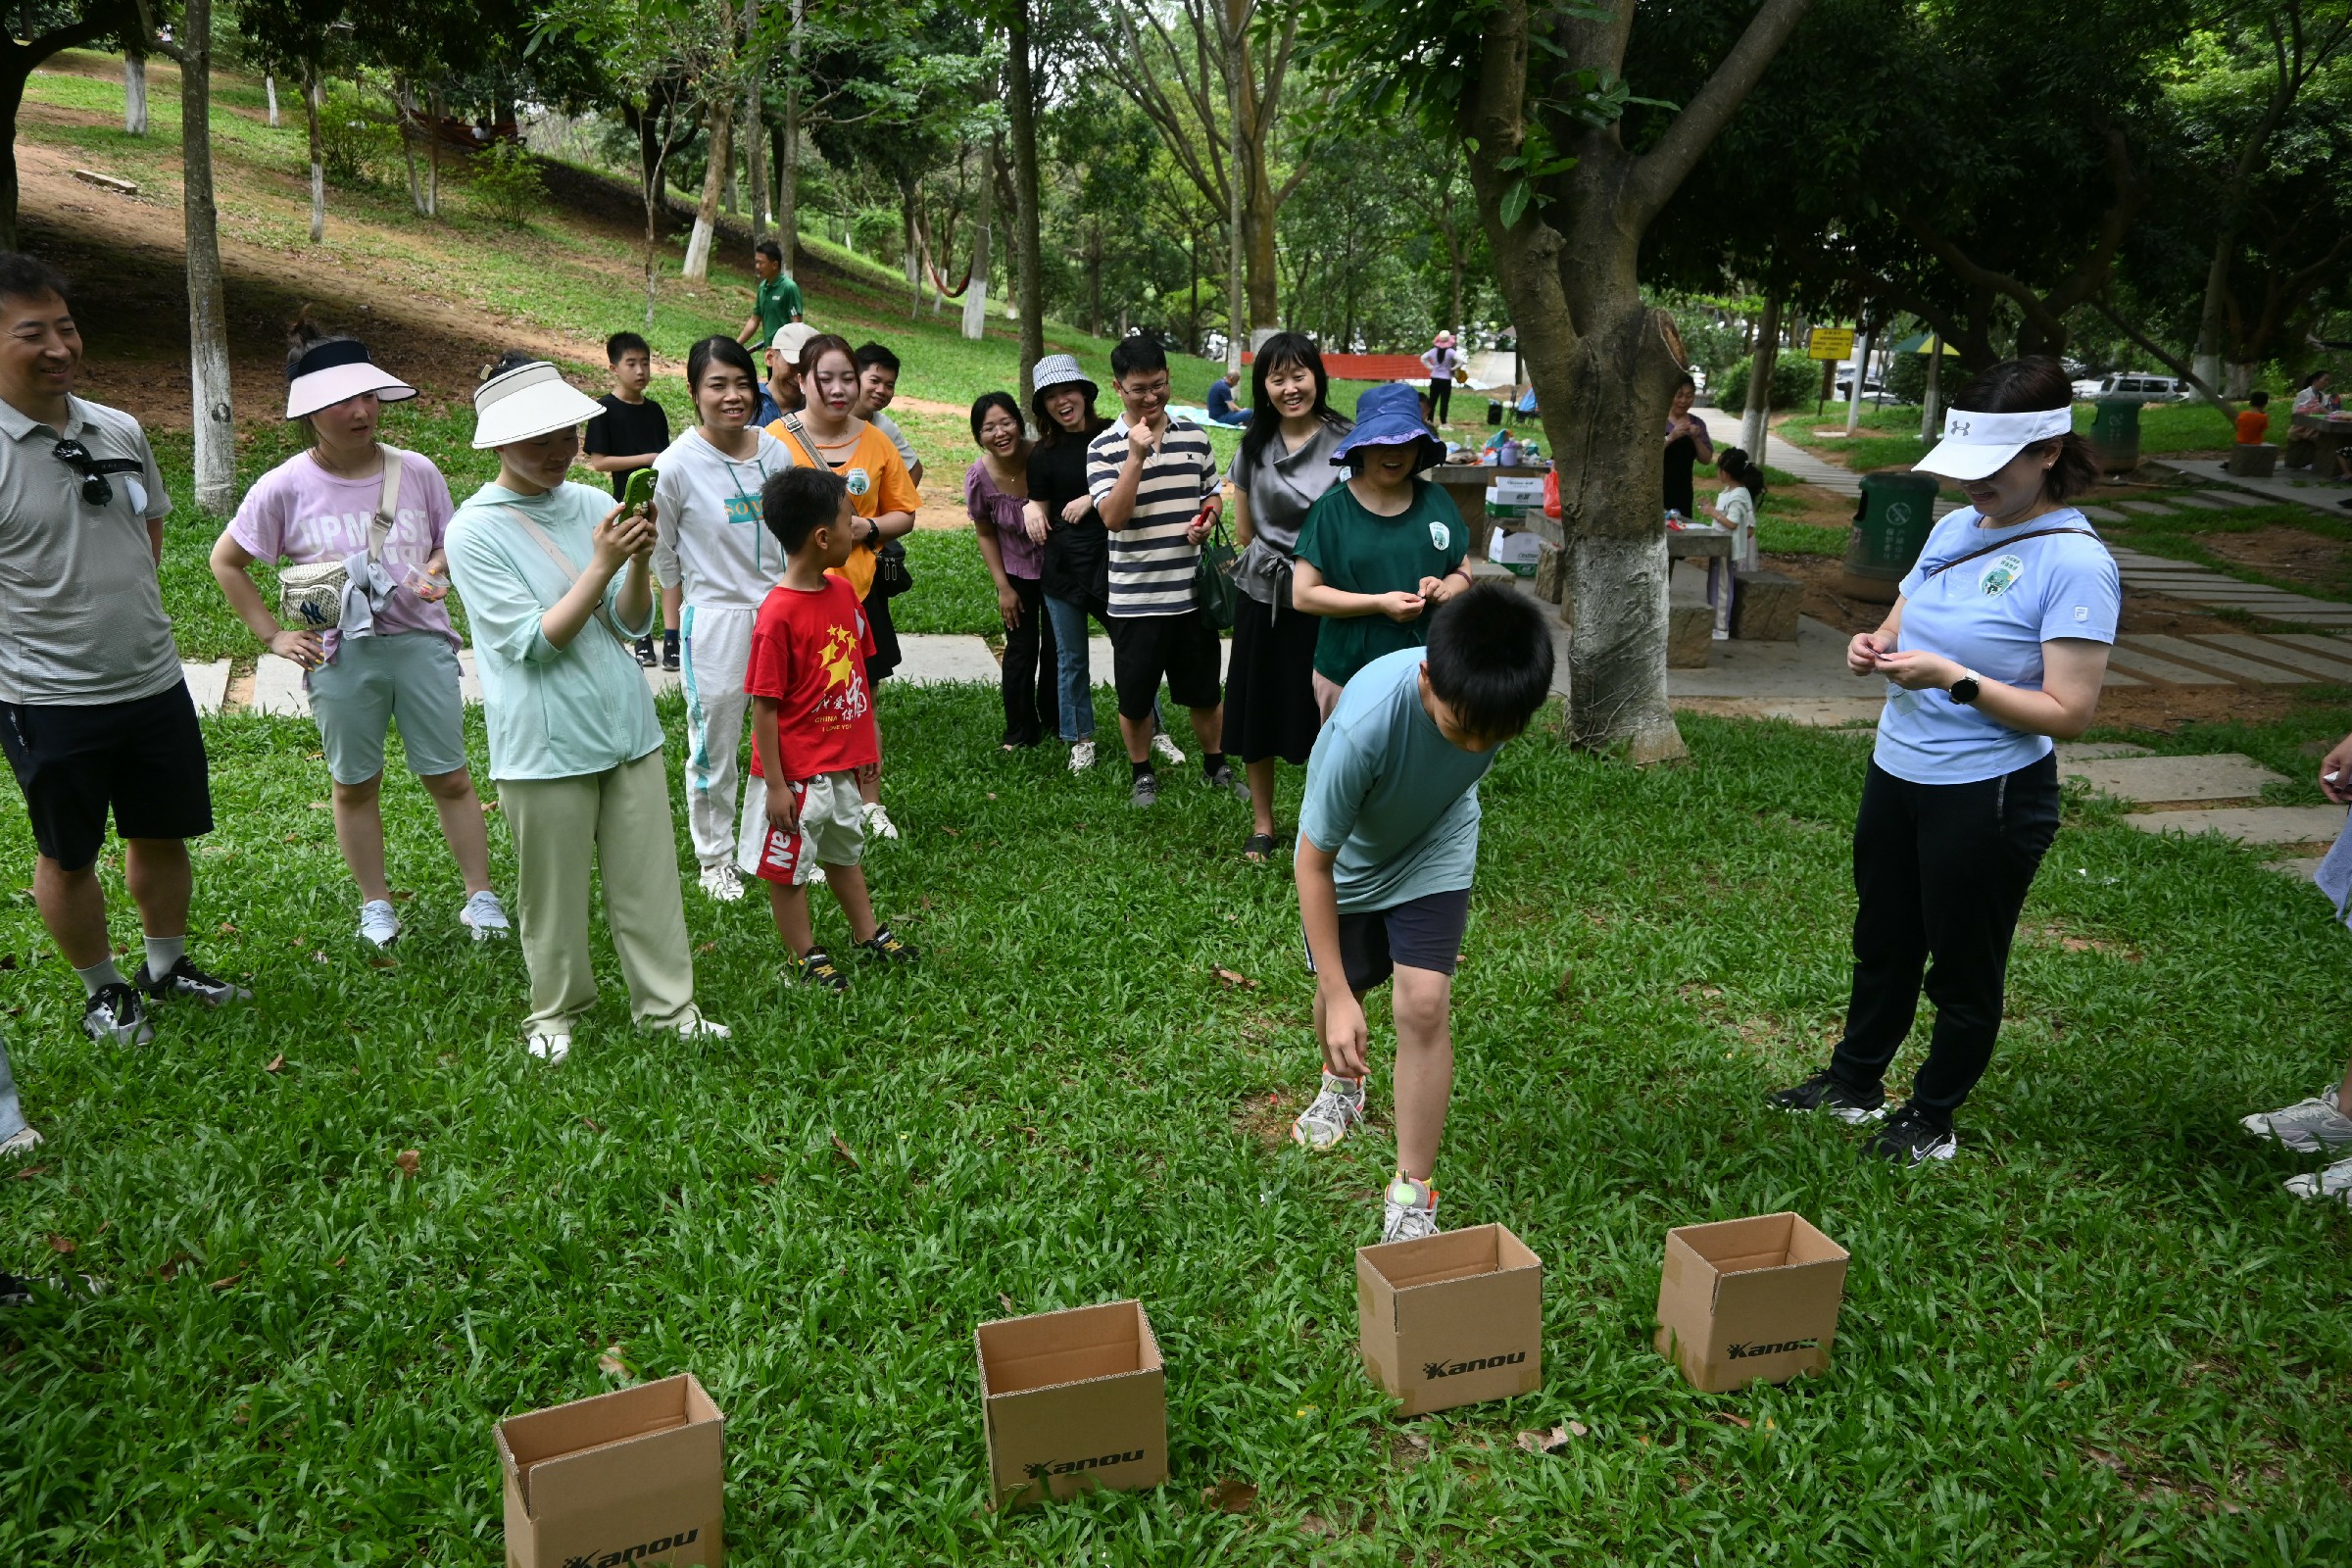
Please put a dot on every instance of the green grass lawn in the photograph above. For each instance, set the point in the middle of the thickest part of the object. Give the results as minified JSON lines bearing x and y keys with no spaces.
{"x":2104,"y":1335}
{"x":1892,"y":439}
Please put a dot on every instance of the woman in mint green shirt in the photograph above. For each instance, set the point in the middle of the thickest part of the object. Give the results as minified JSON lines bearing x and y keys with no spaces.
{"x":555,"y":589}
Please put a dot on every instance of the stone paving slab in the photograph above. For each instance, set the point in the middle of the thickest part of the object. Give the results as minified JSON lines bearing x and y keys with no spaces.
{"x":2330,"y":651}
{"x":2170,"y":780}
{"x":2250,"y":824}
{"x":2300,"y":489}
{"x":208,"y":684}
{"x":2164,"y":669}
{"x":2069,"y":752}
{"x":2206,"y":498}
{"x":277,"y":688}
{"x":2334,"y":665}
{"x":2304,"y":867}
{"x":2101,"y":514}
{"x":2146,"y":508}
{"x":944,"y":659}
{"x":2217,"y":659}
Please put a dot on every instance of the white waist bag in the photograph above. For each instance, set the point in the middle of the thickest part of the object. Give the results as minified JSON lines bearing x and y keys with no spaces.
{"x":311,"y":598}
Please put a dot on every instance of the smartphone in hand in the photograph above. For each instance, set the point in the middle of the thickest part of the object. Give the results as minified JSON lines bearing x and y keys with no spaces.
{"x":639,"y":493}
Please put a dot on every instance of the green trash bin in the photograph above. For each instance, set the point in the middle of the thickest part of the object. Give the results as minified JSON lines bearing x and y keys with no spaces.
{"x":1890,"y":527}
{"x":2115,"y":434}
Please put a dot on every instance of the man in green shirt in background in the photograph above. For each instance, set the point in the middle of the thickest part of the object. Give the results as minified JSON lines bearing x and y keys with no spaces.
{"x":776,"y":302}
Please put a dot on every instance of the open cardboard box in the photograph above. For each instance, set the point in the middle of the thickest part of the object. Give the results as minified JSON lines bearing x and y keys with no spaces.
{"x":634,"y":1476}
{"x":1748,"y":1298}
{"x":1453,"y":1318}
{"x":1072,"y":1401}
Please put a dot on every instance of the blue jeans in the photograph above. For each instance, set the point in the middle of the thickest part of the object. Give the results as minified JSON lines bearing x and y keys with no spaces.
{"x":1074,"y":684}
{"x":12,"y":1114}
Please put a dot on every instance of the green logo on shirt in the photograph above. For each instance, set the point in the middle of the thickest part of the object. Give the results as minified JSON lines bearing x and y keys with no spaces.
{"x":2001,"y":576}
{"x":1439,"y":535}
{"x":858,"y":481}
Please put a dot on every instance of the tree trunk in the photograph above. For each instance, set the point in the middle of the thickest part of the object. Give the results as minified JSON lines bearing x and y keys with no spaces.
{"x":788,"y":160}
{"x":1755,"y":422}
{"x":1094,"y":280}
{"x":755,"y":165}
{"x":1853,"y":397}
{"x":432,"y":153}
{"x":975,"y":293}
{"x":1260,"y":276}
{"x":404,"y":99}
{"x":1027,"y":251}
{"x":208,"y":313}
{"x":311,"y":93}
{"x":1934,"y":392}
{"x":913,"y":251}
{"x":720,"y":119}
{"x":1240,"y":293}
{"x":270,"y":87}
{"x":134,"y":95}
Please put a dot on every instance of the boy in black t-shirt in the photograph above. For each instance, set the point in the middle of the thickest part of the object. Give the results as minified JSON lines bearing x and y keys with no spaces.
{"x":630,"y":434}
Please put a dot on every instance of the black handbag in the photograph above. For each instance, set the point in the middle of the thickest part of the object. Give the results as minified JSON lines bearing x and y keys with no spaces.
{"x":892,"y":577}
{"x":1213,"y":589}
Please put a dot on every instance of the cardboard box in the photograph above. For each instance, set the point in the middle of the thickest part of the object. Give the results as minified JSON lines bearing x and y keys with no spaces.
{"x":1453,"y":1318}
{"x":631,"y":1477}
{"x":1073,"y":1400}
{"x":1748,"y":1298}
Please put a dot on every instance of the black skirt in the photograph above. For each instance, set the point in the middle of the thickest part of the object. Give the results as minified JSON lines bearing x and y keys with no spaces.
{"x":1269,"y":684}
{"x":886,"y":655}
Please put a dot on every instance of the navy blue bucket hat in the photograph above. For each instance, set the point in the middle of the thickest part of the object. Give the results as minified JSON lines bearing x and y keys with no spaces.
{"x":1388,"y":416}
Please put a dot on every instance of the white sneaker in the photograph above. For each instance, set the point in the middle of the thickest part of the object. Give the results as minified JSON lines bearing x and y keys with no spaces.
{"x":878,"y":824}
{"x":550,"y":1045}
{"x":1409,"y":1211}
{"x":2314,"y":1126}
{"x":1340,"y":1107}
{"x":722,"y":882}
{"x":378,"y":924}
{"x":2330,"y":1182}
{"x":23,"y":1141}
{"x":1167,"y":750}
{"x":697,"y":1027}
{"x":1082,"y":755}
{"x":484,"y":916}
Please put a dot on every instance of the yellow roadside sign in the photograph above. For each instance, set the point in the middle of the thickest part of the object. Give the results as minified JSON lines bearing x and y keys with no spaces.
{"x":1830,"y":343}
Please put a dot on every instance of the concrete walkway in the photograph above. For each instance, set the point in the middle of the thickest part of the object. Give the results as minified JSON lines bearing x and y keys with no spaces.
{"x":1722,"y":427}
{"x":2219,"y":793}
{"x":2293,"y":488}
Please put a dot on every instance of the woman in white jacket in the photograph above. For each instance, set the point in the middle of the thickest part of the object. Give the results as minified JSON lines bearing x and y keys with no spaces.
{"x":712,"y":546}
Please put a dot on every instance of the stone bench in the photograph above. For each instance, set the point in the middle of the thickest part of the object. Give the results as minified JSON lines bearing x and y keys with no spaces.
{"x":1766,"y":607}
{"x":2256,"y":459}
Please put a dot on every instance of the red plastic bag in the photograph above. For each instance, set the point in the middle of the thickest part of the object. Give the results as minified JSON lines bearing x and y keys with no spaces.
{"x":1551,"y":494}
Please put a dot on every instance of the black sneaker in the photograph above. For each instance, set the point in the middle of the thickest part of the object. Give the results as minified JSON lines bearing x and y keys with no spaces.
{"x":888,"y":947}
{"x":1145,"y":792}
{"x":15,"y":1291}
{"x":1826,"y":1091}
{"x":184,"y":981}
{"x":115,"y":1015}
{"x":1912,"y":1137}
{"x":669,"y":657}
{"x":645,"y":652}
{"x":818,"y":970}
{"x":1223,"y":781}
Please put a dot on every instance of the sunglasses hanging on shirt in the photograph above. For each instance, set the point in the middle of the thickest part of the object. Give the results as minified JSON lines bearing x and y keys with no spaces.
{"x":93,"y":470}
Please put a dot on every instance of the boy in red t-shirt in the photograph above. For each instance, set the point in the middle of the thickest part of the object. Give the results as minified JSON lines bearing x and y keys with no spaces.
{"x":812,"y":721}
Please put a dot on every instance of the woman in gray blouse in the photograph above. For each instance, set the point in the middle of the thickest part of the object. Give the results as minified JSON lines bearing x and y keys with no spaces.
{"x":1284,"y":466}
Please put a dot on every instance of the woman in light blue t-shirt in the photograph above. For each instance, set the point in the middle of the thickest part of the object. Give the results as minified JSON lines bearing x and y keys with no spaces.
{"x":1997,"y":645}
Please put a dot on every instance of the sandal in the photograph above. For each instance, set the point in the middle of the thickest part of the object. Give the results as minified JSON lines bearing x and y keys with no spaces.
{"x":1257,"y":846}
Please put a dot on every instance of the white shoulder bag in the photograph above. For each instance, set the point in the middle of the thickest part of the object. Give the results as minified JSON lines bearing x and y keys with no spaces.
{"x":311,"y":598}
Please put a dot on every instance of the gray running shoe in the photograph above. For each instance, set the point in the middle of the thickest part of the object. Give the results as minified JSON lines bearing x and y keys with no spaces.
{"x":2313,"y":1126}
{"x":1409,"y":1211}
{"x":1340,"y":1107}
{"x":1223,"y":780}
{"x":1145,"y":792}
{"x":2332,"y":1183}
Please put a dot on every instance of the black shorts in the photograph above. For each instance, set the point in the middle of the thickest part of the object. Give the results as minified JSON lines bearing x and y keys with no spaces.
{"x":1183,"y":648}
{"x":144,"y":758}
{"x":1423,"y":933}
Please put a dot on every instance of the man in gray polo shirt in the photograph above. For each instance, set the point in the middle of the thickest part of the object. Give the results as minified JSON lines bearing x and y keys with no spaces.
{"x":94,"y":714}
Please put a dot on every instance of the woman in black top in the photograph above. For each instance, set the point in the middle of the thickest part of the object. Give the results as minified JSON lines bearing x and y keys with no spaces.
{"x":1686,"y":443}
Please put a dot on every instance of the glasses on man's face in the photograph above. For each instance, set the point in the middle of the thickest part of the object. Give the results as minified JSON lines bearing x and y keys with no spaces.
{"x":93,"y":470}
{"x":1155,"y":392}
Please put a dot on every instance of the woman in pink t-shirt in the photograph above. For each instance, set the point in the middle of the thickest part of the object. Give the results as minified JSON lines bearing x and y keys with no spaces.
{"x":319,"y":506}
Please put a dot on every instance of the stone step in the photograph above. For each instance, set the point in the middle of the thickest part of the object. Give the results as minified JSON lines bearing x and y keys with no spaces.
{"x":208,"y":684}
{"x":2101,"y":514}
{"x":2069,"y":752}
{"x":2333,"y":666}
{"x":2217,"y":659}
{"x":2306,"y":867}
{"x":2135,"y":662}
{"x":2250,"y":824}
{"x":2206,"y":498}
{"x":2171,"y":780}
{"x":2331,"y":651}
{"x":2146,"y":508}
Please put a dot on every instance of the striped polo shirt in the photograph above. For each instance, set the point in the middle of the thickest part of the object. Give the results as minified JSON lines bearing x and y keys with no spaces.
{"x":1151,"y":559}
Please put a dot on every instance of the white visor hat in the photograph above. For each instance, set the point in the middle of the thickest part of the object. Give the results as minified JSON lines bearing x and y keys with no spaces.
{"x":530,"y":400}
{"x":1976,"y":445}
{"x":329,"y":372}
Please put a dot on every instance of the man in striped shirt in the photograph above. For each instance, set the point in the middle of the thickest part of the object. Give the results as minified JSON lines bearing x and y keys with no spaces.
{"x":1156,"y":484}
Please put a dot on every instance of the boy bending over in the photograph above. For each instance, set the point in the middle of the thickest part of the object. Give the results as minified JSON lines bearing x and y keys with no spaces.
{"x":1387,"y":839}
{"x":813,"y":722}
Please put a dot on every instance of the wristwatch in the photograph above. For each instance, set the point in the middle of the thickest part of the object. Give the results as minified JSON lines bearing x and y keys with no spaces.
{"x":1967,"y":689}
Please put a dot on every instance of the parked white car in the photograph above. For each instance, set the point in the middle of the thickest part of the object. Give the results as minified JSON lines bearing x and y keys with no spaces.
{"x":2132,"y":383}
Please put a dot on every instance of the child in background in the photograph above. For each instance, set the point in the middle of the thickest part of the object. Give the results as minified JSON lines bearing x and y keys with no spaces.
{"x":1734,"y":507}
{"x":2253,"y":423}
{"x":631,"y":434}
{"x":813,"y":722}
{"x":1388,"y":841}
{"x":877,"y":389}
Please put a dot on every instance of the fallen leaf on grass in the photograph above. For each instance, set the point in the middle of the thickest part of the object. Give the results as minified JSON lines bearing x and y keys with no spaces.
{"x":592,"y":1124}
{"x":63,"y":1245}
{"x":610,"y":1364}
{"x":842,"y":1151}
{"x":1740,"y":1421}
{"x":764,"y":1178}
{"x":1230,"y":1496}
{"x":1003,"y":1300}
{"x":320,"y":805}
{"x":243,"y":1414}
{"x":173,"y":1266}
{"x":1230,"y":978}
{"x":708,"y":947}
{"x":226,"y":1282}
{"x":225,"y":929}
{"x":1552,"y":1441}
{"x":488,"y":807}
{"x":408,"y":1159}
{"x":277,"y":1062}
{"x":29,"y":1172}
{"x":952,"y":832}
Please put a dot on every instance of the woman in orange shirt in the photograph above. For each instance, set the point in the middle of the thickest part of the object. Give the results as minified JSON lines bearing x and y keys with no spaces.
{"x":881,"y":492}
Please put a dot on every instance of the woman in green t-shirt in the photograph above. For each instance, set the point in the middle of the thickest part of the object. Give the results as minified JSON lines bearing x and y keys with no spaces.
{"x":1377,"y":553}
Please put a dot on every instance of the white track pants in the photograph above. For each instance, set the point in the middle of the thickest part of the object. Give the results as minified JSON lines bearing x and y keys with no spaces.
{"x":714,"y":650}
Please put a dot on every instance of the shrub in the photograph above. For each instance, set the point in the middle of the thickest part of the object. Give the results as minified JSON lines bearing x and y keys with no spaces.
{"x":1795,"y":379}
{"x":359,"y":138}
{"x":1907,"y":378}
{"x":506,"y":184}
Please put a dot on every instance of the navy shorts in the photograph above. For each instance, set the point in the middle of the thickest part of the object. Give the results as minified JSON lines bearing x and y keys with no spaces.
{"x":144,"y":759}
{"x":1424,"y":933}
